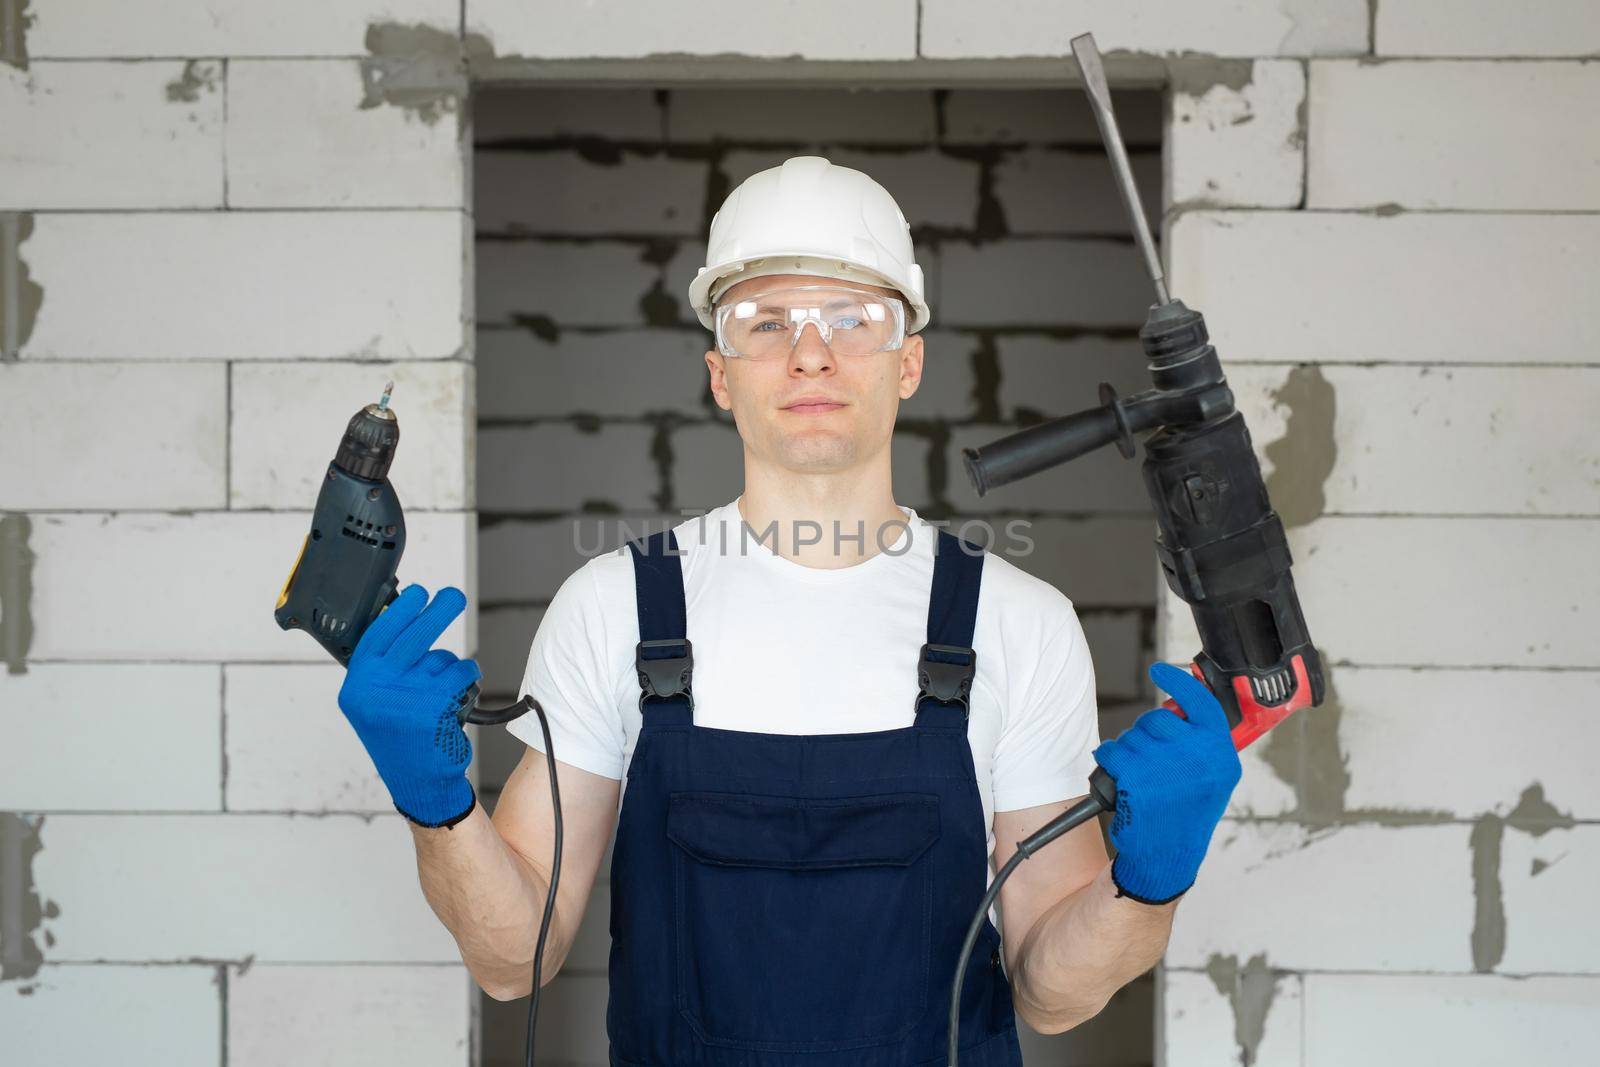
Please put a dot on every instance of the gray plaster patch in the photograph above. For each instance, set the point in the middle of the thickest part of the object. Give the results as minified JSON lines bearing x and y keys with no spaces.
{"x":1304,"y":457}
{"x":1534,"y":815}
{"x":1250,"y":990}
{"x":20,"y":295}
{"x":21,"y":910}
{"x":1307,"y":755}
{"x":14,"y":23}
{"x":197,"y":77}
{"x":418,"y":68}
{"x":1489,"y":911}
{"x":1297,"y":136}
{"x":1196,"y":75}
{"x":16,"y":591}
{"x":1537,"y":816}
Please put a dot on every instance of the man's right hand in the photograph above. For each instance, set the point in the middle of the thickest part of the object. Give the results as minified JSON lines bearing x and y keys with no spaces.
{"x":402,"y":696}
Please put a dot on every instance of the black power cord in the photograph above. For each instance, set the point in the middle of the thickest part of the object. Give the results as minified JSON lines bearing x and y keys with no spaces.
{"x":495,"y":717}
{"x":1102,"y":797}
{"x":555,"y":878}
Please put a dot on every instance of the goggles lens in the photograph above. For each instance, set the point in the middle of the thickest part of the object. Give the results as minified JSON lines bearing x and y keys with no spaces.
{"x":851,"y":322}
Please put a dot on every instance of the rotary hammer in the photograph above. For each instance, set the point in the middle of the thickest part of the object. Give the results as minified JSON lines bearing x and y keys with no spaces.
{"x":1222,"y":547}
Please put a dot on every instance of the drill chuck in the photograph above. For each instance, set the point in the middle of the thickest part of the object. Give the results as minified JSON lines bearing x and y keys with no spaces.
{"x":367,"y":448}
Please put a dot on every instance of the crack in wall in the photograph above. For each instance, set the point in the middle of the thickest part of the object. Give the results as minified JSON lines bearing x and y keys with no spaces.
{"x":1304,"y":457}
{"x":22,"y":913}
{"x":1250,"y":991}
{"x":16,"y":591}
{"x":15,"y":21}
{"x":20,"y":295}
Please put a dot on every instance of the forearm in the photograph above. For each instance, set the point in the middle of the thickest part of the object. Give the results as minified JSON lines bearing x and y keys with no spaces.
{"x":1084,"y":949}
{"x":491,"y":900}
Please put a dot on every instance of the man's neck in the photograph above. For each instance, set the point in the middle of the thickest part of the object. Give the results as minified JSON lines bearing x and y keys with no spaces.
{"x":824,"y":526}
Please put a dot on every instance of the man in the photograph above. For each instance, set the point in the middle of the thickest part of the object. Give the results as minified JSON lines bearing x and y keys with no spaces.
{"x":831,"y":718}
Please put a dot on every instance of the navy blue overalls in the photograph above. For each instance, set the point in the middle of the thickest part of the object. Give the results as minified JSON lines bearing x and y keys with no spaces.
{"x":794,"y":900}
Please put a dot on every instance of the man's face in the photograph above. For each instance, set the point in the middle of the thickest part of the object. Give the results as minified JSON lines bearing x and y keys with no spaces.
{"x":865,"y":392}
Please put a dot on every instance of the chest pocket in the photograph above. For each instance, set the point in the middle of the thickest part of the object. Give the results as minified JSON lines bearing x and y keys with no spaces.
{"x":802,"y":924}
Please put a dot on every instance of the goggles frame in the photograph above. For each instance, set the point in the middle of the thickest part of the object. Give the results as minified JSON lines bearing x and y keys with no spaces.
{"x":723,"y":309}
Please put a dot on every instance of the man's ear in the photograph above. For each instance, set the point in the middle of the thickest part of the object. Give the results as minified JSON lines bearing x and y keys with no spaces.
{"x":719,"y":379}
{"x":911,"y":354}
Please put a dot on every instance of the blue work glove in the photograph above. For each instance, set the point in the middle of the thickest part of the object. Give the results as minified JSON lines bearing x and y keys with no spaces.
{"x":1174,"y":778}
{"x":401,"y":695}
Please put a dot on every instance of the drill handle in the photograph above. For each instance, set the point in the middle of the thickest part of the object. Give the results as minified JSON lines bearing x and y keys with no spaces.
{"x":1052,"y":443}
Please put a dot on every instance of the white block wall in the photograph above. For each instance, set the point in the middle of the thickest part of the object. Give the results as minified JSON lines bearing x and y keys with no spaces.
{"x":211,"y":255}
{"x":222,"y":220}
{"x":1398,"y":879}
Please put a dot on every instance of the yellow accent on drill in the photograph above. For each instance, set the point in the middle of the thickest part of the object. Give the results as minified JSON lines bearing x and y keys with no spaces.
{"x":283,"y":597}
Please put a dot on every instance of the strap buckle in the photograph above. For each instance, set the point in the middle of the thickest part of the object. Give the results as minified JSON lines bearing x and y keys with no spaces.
{"x":664,"y":676}
{"x":947,"y":680}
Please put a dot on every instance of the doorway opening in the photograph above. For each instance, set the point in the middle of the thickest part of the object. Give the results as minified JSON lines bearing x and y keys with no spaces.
{"x":595,"y":423}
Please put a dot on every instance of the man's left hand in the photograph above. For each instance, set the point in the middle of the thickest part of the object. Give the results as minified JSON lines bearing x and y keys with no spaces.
{"x":1174,"y":777}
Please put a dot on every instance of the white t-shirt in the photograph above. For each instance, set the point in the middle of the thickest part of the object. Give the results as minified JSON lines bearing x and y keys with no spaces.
{"x":783,"y":648}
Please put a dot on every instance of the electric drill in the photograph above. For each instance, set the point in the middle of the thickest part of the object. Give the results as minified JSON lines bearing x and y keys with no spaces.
{"x":1221,"y":545}
{"x":345,"y":577}
{"x":345,"y":574}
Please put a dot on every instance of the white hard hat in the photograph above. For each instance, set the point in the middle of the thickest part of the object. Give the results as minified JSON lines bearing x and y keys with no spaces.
{"x":808,"y":216}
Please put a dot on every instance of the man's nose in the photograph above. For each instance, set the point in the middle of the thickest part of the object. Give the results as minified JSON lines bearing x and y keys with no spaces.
{"x":809,"y":349}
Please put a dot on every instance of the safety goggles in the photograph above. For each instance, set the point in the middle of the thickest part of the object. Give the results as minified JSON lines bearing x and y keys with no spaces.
{"x":851,"y":322}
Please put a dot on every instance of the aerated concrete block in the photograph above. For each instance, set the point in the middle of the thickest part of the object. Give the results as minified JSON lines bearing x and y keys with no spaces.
{"x":78,"y":29}
{"x":247,"y":285}
{"x":1485,"y":28}
{"x":961,"y":29}
{"x":133,"y":435}
{"x":205,"y":584}
{"x":280,"y":888}
{"x":1481,"y":135}
{"x":404,"y":1016}
{"x":135,"y":1015}
{"x":315,"y":133}
{"x":1340,"y":287}
{"x":433,"y":401}
{"x":124,"y":720}
{"x":1236,"y":134}
{"x":112,"y":135}
{"x":1397,"y":1019}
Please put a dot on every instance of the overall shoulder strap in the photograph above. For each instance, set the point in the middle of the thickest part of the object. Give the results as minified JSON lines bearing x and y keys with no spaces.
{"x":947,"y":663}
{"x":663,"y":657}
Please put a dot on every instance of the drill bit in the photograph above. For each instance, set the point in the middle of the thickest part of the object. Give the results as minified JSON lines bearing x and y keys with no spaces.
{"x":383,"y":401}
{"x":1094,"y":81}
